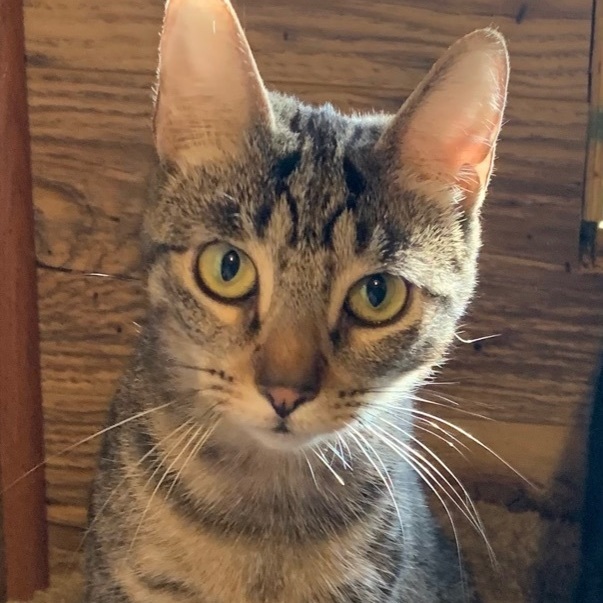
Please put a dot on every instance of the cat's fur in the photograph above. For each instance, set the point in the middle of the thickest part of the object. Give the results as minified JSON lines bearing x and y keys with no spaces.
{"x":197,"y":498}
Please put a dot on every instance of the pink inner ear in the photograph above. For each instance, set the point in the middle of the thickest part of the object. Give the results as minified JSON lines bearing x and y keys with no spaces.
{"x":475,"y":144}
{"x":210,"y":91}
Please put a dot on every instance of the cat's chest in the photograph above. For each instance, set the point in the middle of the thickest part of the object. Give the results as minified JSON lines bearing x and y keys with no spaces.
{"x":224,"y":569}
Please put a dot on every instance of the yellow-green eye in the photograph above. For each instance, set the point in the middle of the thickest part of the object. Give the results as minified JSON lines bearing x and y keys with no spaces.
{"x":377,"y":298}
{"x":226,"y":272}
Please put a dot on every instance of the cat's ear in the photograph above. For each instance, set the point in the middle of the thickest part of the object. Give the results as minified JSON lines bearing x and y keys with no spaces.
{"x":209,"y":92}
{"x":447,"y":129}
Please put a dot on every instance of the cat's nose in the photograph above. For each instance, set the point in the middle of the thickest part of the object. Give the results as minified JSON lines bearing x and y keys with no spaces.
{"x":285,"y":400}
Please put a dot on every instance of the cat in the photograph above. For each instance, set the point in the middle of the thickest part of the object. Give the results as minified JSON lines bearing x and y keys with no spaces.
{"x":306,"y":271}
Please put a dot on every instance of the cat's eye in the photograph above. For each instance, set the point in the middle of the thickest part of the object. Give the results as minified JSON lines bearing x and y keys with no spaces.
{"x":225,"y":272}
{"x":377,"y":298}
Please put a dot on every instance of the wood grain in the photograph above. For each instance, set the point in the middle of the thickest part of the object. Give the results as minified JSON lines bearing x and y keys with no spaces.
{"x":374,"y":44}
{"x":91,"y":67}
{"x":25,"y":563}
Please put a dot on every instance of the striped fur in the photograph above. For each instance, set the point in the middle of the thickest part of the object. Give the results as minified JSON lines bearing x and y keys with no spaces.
{"x":199,"y":497}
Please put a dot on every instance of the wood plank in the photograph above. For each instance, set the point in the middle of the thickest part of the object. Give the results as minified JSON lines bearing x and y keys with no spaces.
{"x":2,"y":552}
{"x":391,"y":43}
{"x":23,"y":532}
{"x":87,"y":332}
{"x":593,"y":205}
{"x":591,"y":232}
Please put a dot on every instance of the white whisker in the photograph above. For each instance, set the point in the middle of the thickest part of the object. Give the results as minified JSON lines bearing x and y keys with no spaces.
{"x":385,"y":476}
{"x":311,"y":470}
{"x":468,"y":504}
{"x":417,"y":467}
{"x":160,"y":482}
{"x":326,"y":464}
{"x":121,"y":482}
{"x":462,"y":340}
{"x":194,"y":451}
{"x":434,"y":473}
{"x":89,"y":438}
{"x":475,"y":440}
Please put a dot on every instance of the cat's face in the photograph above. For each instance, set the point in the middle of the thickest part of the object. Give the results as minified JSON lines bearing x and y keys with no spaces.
{"x":307,"y":267}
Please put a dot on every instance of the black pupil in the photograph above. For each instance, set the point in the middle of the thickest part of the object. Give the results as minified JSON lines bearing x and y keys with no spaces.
{"x":376,"y":290}
{"x":231,"y":262}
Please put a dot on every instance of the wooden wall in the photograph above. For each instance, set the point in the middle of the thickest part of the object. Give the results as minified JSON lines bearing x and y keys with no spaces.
{"x":23,"y":529}
{"x":91,"y":67}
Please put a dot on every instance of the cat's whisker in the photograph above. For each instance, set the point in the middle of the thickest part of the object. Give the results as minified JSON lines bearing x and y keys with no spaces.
{"x":452,"y":405}
{"x":116,"y":489}
{"x":468,"y":504}
{"x":344,"y":444}
{"x":452,"y":401}
{"x":194,"y":452}
{"x":452,"y":442}
{"x":311,"y":469}
{"x":417,"y":467}
{"x":475,"y":440}
{"x":434,"y":473}
{"x":437,"y":422}
{"x":384,"y":476}
{"x":324,"y":461}
{"x":89,"y":438}
{"x":395,"y":412}
{"x":417,"y":423}
{"x":445,"y":383}
{"x":477,"y":339}
{"x":163,"y":477}
{"x":118,"y":277}
{"x":336,"y":454}
{"x":190,"y":441}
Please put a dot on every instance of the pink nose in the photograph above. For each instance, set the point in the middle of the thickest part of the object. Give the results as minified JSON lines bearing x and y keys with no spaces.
{"x":285,"y":400}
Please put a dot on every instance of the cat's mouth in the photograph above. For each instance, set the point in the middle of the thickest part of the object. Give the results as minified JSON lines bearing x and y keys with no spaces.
{"x":280,"y":435}
{"x":281,"y":427}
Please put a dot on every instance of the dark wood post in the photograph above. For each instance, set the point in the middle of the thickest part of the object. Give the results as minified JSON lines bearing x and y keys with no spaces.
{"x":23,"y":527}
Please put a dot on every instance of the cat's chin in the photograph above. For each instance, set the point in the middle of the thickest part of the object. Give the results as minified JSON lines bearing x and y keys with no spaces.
{"x":280,"y":439}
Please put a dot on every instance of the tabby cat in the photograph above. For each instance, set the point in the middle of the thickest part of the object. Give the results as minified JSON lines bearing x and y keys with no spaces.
{"x":306,"y":271}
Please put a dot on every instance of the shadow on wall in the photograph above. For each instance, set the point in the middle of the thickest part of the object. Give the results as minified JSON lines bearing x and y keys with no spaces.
{"x":576,"y":574}
{"x":590,"y":584}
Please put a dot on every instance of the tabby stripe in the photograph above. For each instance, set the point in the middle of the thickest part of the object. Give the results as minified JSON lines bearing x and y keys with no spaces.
{"x":224,"y":216}
{"x":157,"y":250}
{"x":356,"y":185}
{"x":354,"y":179}
{"x":295,"y":123}
{"x":363,"y":236}
{"x":280,"y":172}
{"x":168,"y":586}
{"x":286,"y":165}
{"x":262,"y":218}
{"x":395,"y":240}
{"x":323,"y":136}
{"x":294,"y":212}
{"x":319,"y":519}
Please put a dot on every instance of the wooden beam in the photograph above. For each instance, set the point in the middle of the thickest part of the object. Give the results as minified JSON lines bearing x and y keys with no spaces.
{"x":592,"y":214}
{"x":21,"y":438}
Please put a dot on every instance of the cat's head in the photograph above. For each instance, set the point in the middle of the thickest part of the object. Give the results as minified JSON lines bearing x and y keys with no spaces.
{"x":308,"y":267}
